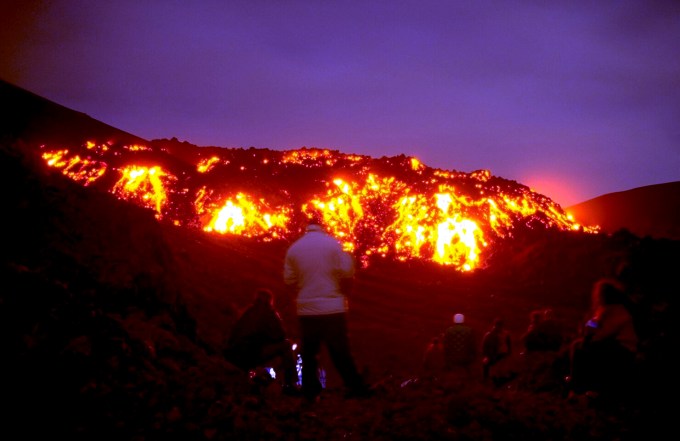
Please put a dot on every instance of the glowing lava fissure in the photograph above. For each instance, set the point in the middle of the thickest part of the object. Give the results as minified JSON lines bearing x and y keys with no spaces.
{"x":392,"y":207}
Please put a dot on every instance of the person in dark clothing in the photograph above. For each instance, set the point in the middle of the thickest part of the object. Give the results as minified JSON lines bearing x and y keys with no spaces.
{"x":459,"y":345}
{"x":533,"y":338}
{"x":258,"y":337}
{"x":433,"y":358}
{"x":543,"y":333}
{"x":603,"y":358}
{"x":496,"y":346}
{"x":551,"y":331}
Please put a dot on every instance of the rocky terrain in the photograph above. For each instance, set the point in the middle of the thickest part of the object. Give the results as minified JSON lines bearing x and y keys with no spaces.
{"x":113,"y":325}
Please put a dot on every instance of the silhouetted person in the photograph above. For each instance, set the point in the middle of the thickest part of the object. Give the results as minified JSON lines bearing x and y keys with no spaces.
{"x":459,"y":345}
{"x":602,"y":360}
{"x":551,"y":330}
{"x":496,"y":346}
{"x":543,"y":333}
{"x":532,"y":338}
{"x":258,"y":337}
{"x":433,"y":359}
{"x":317,"y":266}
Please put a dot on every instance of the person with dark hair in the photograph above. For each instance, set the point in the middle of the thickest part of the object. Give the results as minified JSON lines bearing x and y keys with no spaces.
{"x":459,"y":345}
{"x":318,"y":268}
{"x":258,"y":337}
{"x":433,"y":358}
{"x":551,"y":330}
{"x":543,"y":333}
{"x":532,"y":339}
{"x":496,"y":346}
{"x":602,"y":359}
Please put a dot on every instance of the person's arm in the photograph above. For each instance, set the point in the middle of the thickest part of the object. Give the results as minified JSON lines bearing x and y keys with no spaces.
{"x":608,"y":326}
{"x":290,"y":277}
{"x":346,"y":285}
{"x":345,"y":273}
{"x":344,"y":265}
{"x":275,"y":329}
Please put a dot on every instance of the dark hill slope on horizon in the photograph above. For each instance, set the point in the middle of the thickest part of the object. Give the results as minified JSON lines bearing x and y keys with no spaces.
{"x":652,"y":210}
{"x":36,"y":120}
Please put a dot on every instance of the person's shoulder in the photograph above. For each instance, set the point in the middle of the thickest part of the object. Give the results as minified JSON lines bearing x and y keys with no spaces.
{"x":297,"y":242}
{"x":620,"y":310}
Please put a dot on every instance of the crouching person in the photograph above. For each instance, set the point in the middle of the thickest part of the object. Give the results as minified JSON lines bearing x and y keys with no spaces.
{"x":259,"y":338}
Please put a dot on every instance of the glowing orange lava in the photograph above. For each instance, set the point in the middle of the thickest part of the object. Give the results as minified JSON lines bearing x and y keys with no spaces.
{"x":447,"y":217}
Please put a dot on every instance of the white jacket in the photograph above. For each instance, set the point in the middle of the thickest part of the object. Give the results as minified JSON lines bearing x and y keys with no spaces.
{"x":315,"y":263}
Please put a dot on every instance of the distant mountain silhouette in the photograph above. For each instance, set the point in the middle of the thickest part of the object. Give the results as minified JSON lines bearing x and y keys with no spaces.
{"x":653,"y":210}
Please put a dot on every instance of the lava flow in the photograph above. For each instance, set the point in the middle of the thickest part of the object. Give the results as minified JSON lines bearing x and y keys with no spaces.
{"x":390,"y":207}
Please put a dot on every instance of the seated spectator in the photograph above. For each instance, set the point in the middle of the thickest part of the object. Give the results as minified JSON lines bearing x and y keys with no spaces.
{"x":258,"y":338}
{"x":604,"y":357}
{"x":496,"y":346}
{"x":532,"y":339}
{"x":433,"y":360}
{"x":543,"y":334}
{"x":459,"y":345}
{"x":551,"y":330}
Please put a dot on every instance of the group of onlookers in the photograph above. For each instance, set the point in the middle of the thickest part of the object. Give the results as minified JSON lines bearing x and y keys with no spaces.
{"x":598,"y":360}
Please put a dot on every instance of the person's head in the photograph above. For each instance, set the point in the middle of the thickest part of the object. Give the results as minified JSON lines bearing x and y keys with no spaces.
{"x":264,"y":296}
{"x":624,"y":271}
{"x":536,"y":316}
{"x":608,"y":292}
{"x":498,"y":323}
{"x":458,"y":319}
{"x":314,"y":221}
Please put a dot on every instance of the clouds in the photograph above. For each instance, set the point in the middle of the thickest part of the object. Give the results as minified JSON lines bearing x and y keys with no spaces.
{"x":523,"y":89}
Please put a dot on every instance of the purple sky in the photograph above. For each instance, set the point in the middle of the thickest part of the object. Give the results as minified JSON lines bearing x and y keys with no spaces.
{"x":575,"y":100}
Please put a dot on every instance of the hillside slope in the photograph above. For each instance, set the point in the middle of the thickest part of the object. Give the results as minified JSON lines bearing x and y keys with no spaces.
{"x":653,"y":210}
{"x":35,"y":119}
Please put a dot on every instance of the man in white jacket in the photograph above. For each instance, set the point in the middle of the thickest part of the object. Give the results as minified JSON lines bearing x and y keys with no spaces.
{"x":317,"y":266}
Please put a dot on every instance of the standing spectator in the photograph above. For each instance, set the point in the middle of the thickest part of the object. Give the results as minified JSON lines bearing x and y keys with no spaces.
{"x":258,"y":337}
{"x":496,"y":346}
{"x":318,"y":267}
{"x":459,"y":345}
